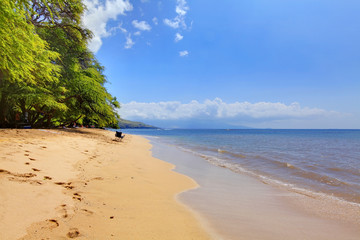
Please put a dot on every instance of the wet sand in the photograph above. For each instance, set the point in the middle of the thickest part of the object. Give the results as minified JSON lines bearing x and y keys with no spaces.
{"x":237,"y":206}
{"x":62,"y":184}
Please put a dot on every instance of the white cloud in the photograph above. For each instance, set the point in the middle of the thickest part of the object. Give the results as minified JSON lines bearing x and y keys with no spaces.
{"x":138,"y":33}
{"x":142,"y":25}
{"x":129,"y":42}
{"x":181,"y":7}
{"x":179,"y":21}
{"x":113,"y":30}
{"x":155,"y":20}
{"x":183,"y":53}
{"x":217,"y":109}
{"x":172,"y":23}
{"x":178,"y":37}
{"x":123,"y":30}
{"x":97,"y":16}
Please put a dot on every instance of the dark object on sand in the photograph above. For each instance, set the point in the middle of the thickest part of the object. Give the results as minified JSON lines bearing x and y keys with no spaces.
{"x":74,"y":232}
{"x":119,"y":135}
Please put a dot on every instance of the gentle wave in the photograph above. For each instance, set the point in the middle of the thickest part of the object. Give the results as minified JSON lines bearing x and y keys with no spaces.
{"x":224,"y":163}
{"x":236,"y":155}
{"x":231,"y":156}
{"x":332,"y":181}
{"x":324,"y":161}
{"x":345,"y":170}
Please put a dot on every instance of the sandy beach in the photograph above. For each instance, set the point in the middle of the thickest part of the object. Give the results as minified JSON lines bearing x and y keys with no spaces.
{"x":61,"y":184}
{"x":85,"y":184}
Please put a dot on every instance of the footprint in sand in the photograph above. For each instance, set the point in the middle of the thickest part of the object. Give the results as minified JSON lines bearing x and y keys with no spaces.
{"x":4,"y":171}
{"x":21,"y":177}
{"x":36,"y":170}
{"x":68,"y":186}
{"x":32,"y":159}
{"x":97,"y":178}
{"x":62,"y":211}
{"x":87,"y":211}
{"x":73,"y":233}
{"x":27,"y":163}
{"x":24,"y":175}
{"x":77,"y":197}
{"x":54,"y":221}
{"x":26,"y":154}
{"x":33,"y":182}
{"x":47,"y":178}
{"x":59,"y":183}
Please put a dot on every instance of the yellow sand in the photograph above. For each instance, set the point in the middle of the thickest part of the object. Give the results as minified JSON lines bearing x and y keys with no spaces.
{"x":61,"y":184}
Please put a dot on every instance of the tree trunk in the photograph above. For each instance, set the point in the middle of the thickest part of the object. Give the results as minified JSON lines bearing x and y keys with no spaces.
{"x":3,"y":105}
{"x":3,"y":110}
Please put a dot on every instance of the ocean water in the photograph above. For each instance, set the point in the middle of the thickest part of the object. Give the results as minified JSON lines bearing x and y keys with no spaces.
{"x":323,"y":162}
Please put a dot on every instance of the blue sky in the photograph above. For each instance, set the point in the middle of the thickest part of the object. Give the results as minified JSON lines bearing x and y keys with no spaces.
{"x":256,"y":63}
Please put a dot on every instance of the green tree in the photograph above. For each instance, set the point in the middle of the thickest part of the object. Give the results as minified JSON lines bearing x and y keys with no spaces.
{"x":46,"y":68}
{"x":25,"y":60}
{"x":82,"y":76}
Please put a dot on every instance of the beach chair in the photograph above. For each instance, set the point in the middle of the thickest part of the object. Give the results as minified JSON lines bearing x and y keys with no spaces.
{"x":119,"y":135}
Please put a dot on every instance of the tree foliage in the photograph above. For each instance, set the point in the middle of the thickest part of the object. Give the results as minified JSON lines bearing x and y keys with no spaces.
{"x":48,"y":77}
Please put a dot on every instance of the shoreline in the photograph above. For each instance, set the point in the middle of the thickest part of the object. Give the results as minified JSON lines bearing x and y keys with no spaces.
{"x":82,"y":184}
{"x":310,"y":162}
{"x":239,"y":206}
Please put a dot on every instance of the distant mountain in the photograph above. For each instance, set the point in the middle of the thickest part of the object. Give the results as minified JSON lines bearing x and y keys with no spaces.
{"x":130,"y":124}
{"x":195,"y":124}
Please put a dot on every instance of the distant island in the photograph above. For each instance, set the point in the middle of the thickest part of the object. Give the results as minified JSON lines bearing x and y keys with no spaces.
{"x":130,"y":124}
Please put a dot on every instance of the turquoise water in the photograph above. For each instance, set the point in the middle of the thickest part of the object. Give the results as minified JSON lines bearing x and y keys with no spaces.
{"x":319,"y":161}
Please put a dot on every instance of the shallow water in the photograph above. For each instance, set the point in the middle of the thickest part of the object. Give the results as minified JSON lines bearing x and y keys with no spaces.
{"x":325,"y":162}
{"x":235,"y":206}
